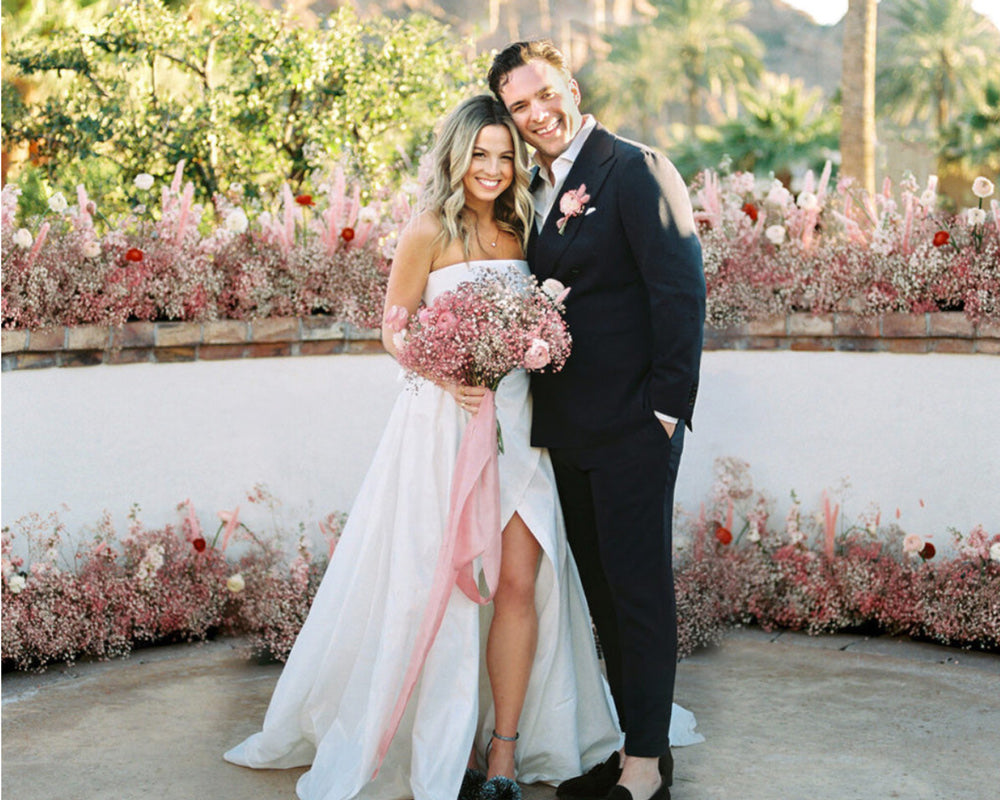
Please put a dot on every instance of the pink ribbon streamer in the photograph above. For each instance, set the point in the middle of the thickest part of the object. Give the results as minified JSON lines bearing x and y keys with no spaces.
{"x":472,"y":531}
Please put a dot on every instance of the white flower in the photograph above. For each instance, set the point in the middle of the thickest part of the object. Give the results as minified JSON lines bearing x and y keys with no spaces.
{"x":367,"y":215}
{"x":235,"y":583}
{"x":236,"y":221}
{"x":410,"y":187}
{"x":807,"y":201}
{"x":552,"y":287}
{"x":928,"y":198}
{"x":778,"y":194}
{"x":16,"y":583}
{"x":23,"y":238}
{"x":975,"y":216}
{"x":995,"y":551}
{"x":913,"y":543}
{"x":90,"y":249}
{"x":144,"y":181}
{"x":775,"y":234}
{"x":753,"y":535}
{"x":236,"y":188}
{"x":58,"y":203}
{"x":140,"y":209}
{"x":982,"y":187}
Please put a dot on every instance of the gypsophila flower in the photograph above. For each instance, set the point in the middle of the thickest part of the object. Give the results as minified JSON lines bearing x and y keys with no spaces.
{"x":23,"y":238}
{"x":16,"y":584}
{"x":235,"y":583}
{"x":144,"y":181}
{"x":982,"y":187}
{"x":57,"y":203}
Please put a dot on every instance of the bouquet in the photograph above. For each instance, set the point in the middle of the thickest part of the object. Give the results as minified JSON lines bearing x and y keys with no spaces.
{"x":484,"y":329}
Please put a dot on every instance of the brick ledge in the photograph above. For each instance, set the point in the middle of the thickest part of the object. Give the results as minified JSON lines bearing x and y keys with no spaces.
{"x":171,"y":342}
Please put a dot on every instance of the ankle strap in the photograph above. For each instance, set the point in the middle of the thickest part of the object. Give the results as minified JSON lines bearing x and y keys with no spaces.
{"x":513,"y":738}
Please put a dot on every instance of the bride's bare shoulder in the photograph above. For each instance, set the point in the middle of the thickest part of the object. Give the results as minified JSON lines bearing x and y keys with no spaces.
{"x":422,"y":229}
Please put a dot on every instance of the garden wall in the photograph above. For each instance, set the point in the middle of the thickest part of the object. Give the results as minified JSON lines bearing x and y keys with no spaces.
{"x":904,"y":408}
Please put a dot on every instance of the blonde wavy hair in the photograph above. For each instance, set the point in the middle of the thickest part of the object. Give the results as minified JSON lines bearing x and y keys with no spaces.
{"x":444,"y":194}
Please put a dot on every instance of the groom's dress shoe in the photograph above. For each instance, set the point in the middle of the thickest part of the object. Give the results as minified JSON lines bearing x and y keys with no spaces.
{"x":595,"y":783}
{"x":621,"y":793}
{"x":602,"y":779}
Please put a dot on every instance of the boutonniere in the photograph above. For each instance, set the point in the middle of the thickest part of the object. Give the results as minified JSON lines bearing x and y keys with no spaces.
{"x":572,"y":204}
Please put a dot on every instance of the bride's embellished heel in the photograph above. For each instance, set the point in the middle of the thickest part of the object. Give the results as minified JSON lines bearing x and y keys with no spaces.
{"x":499,"y":787}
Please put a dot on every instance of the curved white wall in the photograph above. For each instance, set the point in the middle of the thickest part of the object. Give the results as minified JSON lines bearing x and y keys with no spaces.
{"x":900,"y":428}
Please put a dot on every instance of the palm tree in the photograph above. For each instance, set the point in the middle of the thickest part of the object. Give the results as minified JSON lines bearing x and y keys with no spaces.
{"x":786,"y":130}
{"x":857,"y":125}
{"x":695,"y":53}
{"x":938,"y":50}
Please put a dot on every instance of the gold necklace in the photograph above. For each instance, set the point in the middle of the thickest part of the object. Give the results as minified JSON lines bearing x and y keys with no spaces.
{"x":480,"y":241}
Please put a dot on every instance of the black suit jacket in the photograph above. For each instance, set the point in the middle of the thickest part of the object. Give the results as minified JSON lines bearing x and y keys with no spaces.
{"x":636,"y":307}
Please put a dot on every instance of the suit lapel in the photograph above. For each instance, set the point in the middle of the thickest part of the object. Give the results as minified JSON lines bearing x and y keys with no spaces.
{"x":591,"y":168}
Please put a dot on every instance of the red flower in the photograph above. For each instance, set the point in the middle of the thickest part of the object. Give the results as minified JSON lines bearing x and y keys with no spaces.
{"x":305,"y":200}
{"x":941,"y":238}
{"x":928,"y":552}
{"x":199,"y":544}
{"x":750,"y":210}
{"x":724,"y":535}
{"x":347,"y":234}
{"x":133,"y":254}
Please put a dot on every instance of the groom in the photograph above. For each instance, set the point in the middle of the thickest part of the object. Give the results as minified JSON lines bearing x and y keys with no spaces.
{"x":614,"y":222}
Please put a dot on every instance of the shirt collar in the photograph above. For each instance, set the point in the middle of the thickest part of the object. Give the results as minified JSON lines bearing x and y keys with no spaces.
{"x":568,"y":156}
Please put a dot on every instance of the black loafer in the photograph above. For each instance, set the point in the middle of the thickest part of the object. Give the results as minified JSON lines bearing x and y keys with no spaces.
{"x":667,"y":768}
{"x":597,"y":782}
{"x":621,"y":793}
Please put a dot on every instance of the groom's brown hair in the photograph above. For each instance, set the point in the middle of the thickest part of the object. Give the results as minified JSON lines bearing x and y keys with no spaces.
{"x":520,"y":53}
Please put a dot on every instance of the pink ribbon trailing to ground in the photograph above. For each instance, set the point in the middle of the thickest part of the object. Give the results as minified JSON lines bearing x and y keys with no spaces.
{"x":472,"y":531}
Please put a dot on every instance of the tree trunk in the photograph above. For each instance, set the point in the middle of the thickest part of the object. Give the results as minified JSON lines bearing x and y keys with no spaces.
{"x":857,"y":124}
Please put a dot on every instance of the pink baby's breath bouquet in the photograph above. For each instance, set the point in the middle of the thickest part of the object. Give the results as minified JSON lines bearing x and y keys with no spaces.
{"x":484,"y":329}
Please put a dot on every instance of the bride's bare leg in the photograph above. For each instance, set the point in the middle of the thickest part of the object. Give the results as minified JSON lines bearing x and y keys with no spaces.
{"x":510,"y":648}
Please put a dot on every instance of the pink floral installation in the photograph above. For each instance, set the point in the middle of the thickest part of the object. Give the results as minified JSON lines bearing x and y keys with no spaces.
{"x":735,"y":564}
{"x":248,"y":259}
{"x":833,"y":248}
{"x":767,"y":251}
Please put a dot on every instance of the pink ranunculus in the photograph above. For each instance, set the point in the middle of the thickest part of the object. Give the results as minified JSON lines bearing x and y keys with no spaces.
{"x":573,"y":201}
{"x":913,"y":543}
{"x":537,"y":355}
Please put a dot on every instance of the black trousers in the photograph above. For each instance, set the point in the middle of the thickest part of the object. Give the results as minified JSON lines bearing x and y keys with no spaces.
{"x":618,"y":503}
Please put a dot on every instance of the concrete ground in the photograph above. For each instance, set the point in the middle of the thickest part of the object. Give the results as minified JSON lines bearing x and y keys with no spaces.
{"x":785,"y":716}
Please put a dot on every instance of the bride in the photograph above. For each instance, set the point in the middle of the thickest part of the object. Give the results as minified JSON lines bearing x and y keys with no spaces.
{"x":542,"y":711}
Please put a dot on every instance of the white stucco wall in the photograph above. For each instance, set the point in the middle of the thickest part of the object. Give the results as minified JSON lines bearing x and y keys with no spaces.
{"x":900,"y":428}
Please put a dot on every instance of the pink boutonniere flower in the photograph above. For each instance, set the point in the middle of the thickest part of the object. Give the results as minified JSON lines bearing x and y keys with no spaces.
{"x":572,"y":204}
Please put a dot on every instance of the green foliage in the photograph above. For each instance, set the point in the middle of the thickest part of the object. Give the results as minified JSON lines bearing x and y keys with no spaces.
{"x":694,"y":55}
{"x":242,"y":94}
{"x":787,"y":129}
{"x":973,"y":140}
{"x":936,"y":60}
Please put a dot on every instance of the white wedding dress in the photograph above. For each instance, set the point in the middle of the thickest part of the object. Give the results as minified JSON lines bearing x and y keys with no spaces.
{"x":338,"y":689}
